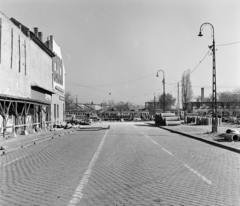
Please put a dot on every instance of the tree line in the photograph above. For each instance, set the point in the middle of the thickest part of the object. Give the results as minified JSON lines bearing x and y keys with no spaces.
{"x":157,"y":102}
{"x":187,"y":94}
{"x":120,"y":105}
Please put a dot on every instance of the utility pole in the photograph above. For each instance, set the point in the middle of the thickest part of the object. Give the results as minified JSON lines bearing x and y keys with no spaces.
{"x":214,"y":82}
{"x":154,"y":104}
{"x":163,"y":82}
{"x":178,"y":105}
{"x":76,"y":103}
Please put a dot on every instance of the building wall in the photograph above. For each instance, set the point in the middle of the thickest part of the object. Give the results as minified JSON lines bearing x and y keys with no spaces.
{"x":28,"y":67}
{"x":23,"y":63}
{"x":14,"y":60}
{"x":41,"y":67}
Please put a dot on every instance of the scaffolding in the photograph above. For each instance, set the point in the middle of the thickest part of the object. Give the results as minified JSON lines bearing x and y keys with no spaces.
{"x":25,"y":114}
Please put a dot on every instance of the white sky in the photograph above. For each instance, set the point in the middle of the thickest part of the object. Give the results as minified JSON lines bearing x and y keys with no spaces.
{"x":123,"y":44}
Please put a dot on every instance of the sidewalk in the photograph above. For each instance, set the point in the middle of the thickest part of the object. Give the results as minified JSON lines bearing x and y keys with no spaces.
{"x":203,"y":133}
{"x":23,"y":141}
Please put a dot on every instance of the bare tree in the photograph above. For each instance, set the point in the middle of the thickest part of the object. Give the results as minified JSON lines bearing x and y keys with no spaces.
{"x":68,"y":100}
{"x":187,"y":93}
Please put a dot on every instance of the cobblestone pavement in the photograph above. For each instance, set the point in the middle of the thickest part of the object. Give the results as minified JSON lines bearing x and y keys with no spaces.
{"x":47,"y":173}
{"x":143,"y":165}
{"x":130,"y":164}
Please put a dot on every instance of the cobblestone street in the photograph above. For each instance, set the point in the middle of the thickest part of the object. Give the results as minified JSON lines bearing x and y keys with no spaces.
{"x":130,"y":164}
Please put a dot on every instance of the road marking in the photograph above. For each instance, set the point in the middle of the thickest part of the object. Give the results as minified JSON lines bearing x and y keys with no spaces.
{"x":77,"y":196}
{"x":14,"y":160}
{"x":191,"y":169}
{"x":147,"y":136}
{"x":198,"y":174}
{"x":167,"y":151}
{"x":154,"y":142}
{"x":157,"y":144}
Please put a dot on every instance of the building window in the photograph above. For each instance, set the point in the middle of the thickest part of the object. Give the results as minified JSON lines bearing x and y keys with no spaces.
{"x":19,"y":47}
{"x":55,"y":111}
{"x":25,"y":47}
{"x":63,"y":111}
{"x":11,"y":47}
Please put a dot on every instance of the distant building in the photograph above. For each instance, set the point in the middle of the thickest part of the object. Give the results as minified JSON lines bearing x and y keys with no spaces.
{"x":223,"y":108}
{"x":78,"y":111}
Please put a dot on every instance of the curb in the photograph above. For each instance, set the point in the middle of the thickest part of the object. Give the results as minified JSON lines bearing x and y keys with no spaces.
{"x":6,"y":149}
{"x":92,"y":128}
{"x":204,"y":140}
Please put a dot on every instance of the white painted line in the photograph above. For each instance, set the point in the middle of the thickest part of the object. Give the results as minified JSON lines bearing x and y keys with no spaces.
{"x":167,"y":151}
{"x":147,"y":136}
{"x":77,"y":196}
{"x":154,"y":142}
{"x":14,"y":160}
{"x":198,"y":174}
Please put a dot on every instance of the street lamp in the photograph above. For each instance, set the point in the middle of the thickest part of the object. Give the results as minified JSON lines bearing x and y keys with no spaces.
{"x":163,"y":88}
{"x":214,"y":85}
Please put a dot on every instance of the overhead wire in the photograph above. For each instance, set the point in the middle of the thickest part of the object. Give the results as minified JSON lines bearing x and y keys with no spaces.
{"x":204,"y":58}
{"x":237,"y":42}
{"x":193,"y":69}
{"x":94,"y":87}
{"x":77,"y":84}
{"x":115,"y":83}
{"x":125,"y":81}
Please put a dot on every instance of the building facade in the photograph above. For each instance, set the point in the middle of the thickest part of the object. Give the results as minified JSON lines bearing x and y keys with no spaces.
{"x":58,"y":82}
{"x":27,"y":86}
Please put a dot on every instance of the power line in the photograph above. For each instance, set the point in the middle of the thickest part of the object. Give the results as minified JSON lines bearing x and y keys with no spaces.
{"x":94,"y":87}
{"x":125,"y":82}
{"x":77,"y":84}
{"x":193,"y":69}
{"x":237,"y":42}
{"x":115,"y":83}
{"x":204,"y":58}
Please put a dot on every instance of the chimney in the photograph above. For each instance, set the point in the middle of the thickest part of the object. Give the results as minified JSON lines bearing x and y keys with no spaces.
{"x":202,"y":94}
{"x":51,"y":43}
{"x":47,"y":42}
{"x":35,"y":31}
{"x":28,"y":33}
{"x":40,"y":36}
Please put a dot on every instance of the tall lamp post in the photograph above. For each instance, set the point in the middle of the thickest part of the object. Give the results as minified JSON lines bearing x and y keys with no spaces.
{"x":163,"y":88}
{"x":214,"y":86}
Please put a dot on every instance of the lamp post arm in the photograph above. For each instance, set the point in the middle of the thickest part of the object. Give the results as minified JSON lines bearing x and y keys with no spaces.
{"x":204,"y":24}
{"x":163,"y":88}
